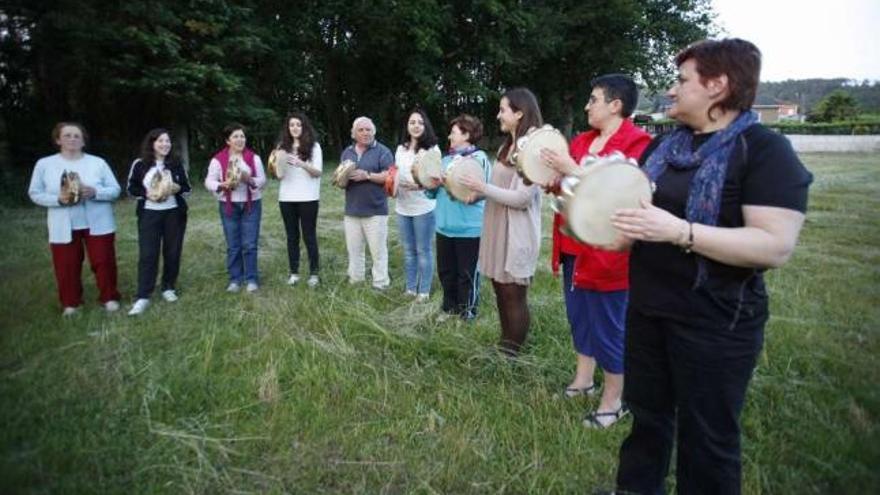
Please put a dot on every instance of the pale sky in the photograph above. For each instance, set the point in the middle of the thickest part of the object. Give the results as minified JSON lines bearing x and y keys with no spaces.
{"x":802,"y":39}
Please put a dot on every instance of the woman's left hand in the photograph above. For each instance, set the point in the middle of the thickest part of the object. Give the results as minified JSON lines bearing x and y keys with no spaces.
{"x":648,"y":223}
{"x":87,"y":192}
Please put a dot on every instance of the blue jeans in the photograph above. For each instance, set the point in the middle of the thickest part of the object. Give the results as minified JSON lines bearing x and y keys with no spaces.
{"x":242,"y":231}
{"x":416,"y":235}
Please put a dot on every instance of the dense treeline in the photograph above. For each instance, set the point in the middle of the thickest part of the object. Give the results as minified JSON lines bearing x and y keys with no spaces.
{"x":808,"y":92}
{"x":193,"y":65}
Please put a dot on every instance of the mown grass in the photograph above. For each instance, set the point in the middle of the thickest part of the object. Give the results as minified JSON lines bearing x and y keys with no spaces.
{"x":343,"y":389}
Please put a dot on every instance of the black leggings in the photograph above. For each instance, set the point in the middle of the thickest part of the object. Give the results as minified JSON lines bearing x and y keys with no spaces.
{"x":296,"y":215}
{"x":513,"y":311}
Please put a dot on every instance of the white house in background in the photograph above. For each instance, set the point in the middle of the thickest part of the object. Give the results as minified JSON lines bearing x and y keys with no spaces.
{"x":776,"y":112}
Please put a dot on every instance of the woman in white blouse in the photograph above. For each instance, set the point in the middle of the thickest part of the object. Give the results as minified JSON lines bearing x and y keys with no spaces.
{"x":415,"y":211}
{"x":299,"y":192}
{"x":78,"y":224}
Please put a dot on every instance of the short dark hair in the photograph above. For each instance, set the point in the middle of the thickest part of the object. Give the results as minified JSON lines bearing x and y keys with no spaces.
{"x":469,"y":124}
{"x":427,"y":140}
{"x":148,"y":155}
{"x":521,"y":100}
{"x":307,"y":138}
{"x":230,"y":128}
{"x":738,"y":59}
{"x":618,"y":87}
{"x":56,"y":131}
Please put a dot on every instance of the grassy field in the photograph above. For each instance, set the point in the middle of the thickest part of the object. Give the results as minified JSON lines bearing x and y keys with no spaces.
{"x":345,"y":390}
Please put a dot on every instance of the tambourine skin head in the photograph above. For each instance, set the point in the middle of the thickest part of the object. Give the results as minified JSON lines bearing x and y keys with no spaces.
{"x":528,"y":156}
{"x":459,"y":168}
{"x":426,"y":167}
{"x":342,"y":174}
{"x":277,"y":163}
{"x":610,"y":184}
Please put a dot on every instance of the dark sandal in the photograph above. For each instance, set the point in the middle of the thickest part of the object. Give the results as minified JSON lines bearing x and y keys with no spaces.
{"x":572,"y":392}
{"x":592,"y":420}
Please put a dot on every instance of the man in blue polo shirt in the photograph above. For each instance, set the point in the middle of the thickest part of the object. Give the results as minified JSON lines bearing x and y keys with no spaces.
{"x":366,"y":206}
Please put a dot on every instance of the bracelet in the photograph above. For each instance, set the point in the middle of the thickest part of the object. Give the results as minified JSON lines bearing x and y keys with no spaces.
{"x":689,"y":245}
{"x":682,"y":235}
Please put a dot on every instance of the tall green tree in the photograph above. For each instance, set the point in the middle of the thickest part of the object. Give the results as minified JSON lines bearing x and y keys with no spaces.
{"x":838,"y":105}
{"x":124,"y":67}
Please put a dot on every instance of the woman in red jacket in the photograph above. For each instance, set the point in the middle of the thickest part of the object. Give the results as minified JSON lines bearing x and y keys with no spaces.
{"x":596,"y":281}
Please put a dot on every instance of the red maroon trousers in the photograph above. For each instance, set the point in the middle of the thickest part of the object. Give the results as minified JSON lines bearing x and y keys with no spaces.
{"x":68,"y":258}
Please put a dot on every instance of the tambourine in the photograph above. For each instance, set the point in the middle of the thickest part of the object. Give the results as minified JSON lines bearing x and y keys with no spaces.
{"x":343,"y":173}
{"x":233,"y":173}
{"x":602,"y":186}
{"x":426,"y":167}
{"x":391,"y":181}
{"x":277,"y":163}
{"x":527,"y":157}
{"x":461,"y":166}
{"x":71,"y":187}
{"x":161,"y":186}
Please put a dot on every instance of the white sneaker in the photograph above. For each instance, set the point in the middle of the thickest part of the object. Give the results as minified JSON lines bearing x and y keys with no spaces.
{"x":111,"y":306}
{"x":422,"y":297}
{"x":139,"y":307}
{"x":169,"y":295}
{"x":410,"y":293}
{"x":252,"y":287}
{"x":233,"y":287}
{"x":294,"y":278}
{"x":313,"y":281}
{"x":69,"y":311}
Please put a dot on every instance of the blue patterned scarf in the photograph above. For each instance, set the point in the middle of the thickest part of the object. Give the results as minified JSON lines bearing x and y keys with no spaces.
{"x":711,"y":160}
{"x":467,"y":150}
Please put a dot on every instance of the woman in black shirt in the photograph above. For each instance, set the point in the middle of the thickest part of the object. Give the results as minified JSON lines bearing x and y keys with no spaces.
{"x":730,"y":203}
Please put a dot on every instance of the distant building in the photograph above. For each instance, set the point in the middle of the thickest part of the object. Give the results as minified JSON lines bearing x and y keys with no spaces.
{"x":768,"y":114}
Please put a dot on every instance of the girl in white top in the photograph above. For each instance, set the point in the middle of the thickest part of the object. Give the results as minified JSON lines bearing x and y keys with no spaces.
{"x":415,"y":211}
{"x":300,"y":191}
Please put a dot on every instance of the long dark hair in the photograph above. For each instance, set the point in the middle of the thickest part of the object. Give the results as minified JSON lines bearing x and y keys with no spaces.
{"x":427,"y":140}
{"x":148,"y":155}
{"x":520,"y":100}
{"x":306,"y":139}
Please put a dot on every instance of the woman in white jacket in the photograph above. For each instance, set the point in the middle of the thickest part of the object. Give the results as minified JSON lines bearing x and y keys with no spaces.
{"x":79,"y":222}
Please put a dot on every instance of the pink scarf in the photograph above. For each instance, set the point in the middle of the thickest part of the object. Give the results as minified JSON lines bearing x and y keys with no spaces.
{"x":222,"y":156}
